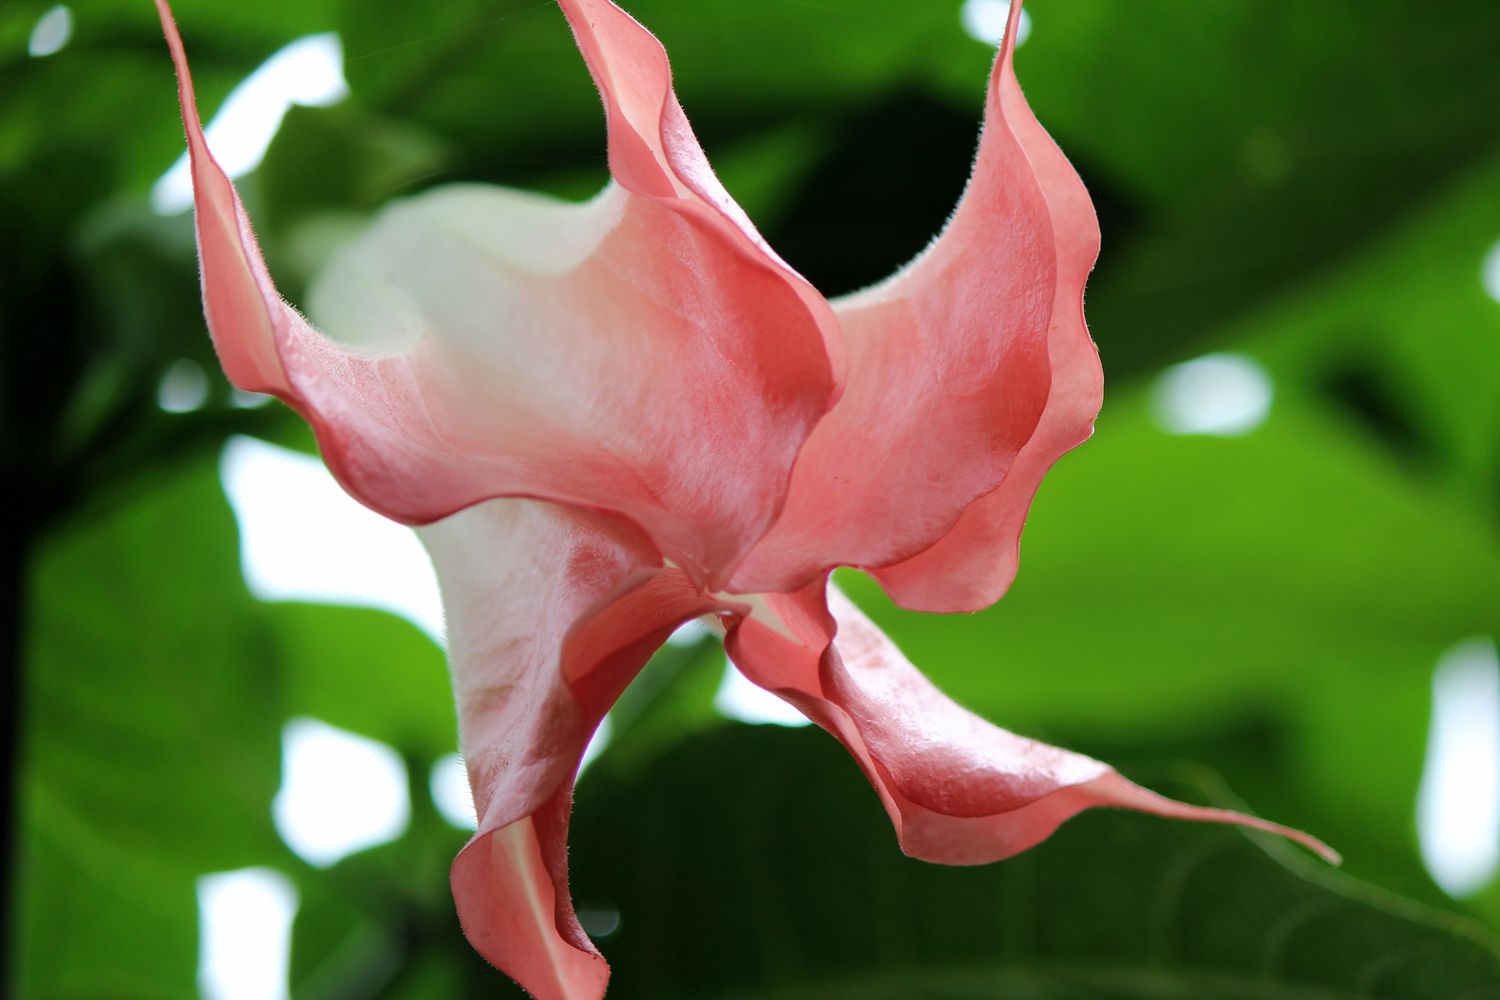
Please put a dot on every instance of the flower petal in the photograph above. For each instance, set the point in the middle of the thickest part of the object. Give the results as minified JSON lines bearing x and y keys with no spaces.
{"x":647,"y":356}
{"x":550,"y":613}
{"x":958,"y":789}
{"x":967,"y":369}
{"x":972,"y":566}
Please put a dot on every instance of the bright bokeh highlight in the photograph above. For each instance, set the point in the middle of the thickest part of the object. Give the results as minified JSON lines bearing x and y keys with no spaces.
{"x":340,"y":793}
{"x":742,"y":701}
{"x":689,"y":634}
{"x":1489,"y":272}
{"x":449,"y":785}
{"x":52,"y":32}
{"x":302,"y":538}
{"x":308,"y":71}
{"x":597,"y":743}
{"x":984,"y":21}
{"x":245,"y":934}
{"x":183,"y":387}
{"x":1218,"y":394}
{"x":1458,"y":805}
{"x":449,"y":781}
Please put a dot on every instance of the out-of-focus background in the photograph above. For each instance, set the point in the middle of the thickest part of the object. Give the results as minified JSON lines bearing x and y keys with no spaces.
{"x":1271,"y":580}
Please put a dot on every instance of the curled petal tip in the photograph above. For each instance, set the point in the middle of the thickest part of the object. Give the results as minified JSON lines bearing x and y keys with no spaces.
{"x":1115,"y":790}
{"x":1012,"y":29}
{"x":958,"y":789}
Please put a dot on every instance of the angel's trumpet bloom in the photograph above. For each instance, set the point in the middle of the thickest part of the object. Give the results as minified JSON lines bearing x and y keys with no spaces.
{"x":613,"y":417}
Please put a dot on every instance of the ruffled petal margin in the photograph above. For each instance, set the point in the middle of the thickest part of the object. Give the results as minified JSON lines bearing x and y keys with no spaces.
{"x":958,"y":789}
{"x":972,"y":566}
{"x":550,"y":614}
{"x":969,"y":372}
{"x":657,"y":361}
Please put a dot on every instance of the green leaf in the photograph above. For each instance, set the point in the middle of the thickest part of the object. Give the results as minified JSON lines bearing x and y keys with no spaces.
{"x":1264,"y":152}
{"x":369,"y":672}
{"x":1406,"y":340}
{"x":760,"y":862}
{"x":151,"y":738}
{"x":99,"y":918}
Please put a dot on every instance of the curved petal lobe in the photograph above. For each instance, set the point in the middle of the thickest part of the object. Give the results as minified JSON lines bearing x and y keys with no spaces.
{"x":949,"y":371}
{"x":972,"y":566}
{"x":643,"y":354}
{"x":550,"y":612}
{"x":958,"y":789}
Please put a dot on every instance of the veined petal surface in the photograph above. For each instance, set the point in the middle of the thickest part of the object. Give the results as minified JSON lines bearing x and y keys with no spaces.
{"x":951,"y":366}
{"x":643,"y":354}
{"x":550,"y":613}
{"x":958,"y":789}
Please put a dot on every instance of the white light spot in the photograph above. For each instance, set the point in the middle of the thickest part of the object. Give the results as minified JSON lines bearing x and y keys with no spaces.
{"x":984,"y":21}
{"x":737,"y":698}
{"x":450,"y":792}
{"x":183,"y":387}
{"x":309,"y":71}
{"x":597,"y":743}
{"x":689,"y":633}
{"x":449,"y":781}
{"x":302,"y":538}
{"x":1222,"y":394}
{"x":243,"y":400}
{"x":1458,"y":805}
{"x":245,"y":934}
{"x":340,"y":793}
{"x":53,"y":30}
{"x":1489,"y":274}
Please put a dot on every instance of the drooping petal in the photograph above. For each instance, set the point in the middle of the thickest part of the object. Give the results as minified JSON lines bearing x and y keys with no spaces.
{"x":958,"y":789}
{"x":550,"y":613}
{"x":969,"y":372}
{"x":972,"y":566}
{"x":644,"y":353}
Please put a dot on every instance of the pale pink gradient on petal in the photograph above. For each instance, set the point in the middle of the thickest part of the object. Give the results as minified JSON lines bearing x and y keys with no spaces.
{"x":958,"y":789}
{"x":956,"y":365}
{"x":551,"y":613}
{"x":684,"y":364}
{"x":971,"y":567}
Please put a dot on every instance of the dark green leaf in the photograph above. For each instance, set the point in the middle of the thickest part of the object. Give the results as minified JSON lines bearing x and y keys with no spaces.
{"x":369,"y":672}
{"x":761,"y":863}
{"x":151,"y":731}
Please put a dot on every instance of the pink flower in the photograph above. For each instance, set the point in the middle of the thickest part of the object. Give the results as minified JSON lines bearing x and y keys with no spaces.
{"x":613,"y":417}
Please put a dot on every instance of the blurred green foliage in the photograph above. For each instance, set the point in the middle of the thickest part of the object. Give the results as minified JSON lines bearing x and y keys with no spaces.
{"x":1314,"y":185}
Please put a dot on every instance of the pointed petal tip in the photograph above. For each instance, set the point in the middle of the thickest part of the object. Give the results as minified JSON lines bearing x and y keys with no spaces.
{"x":1113,"y":789}
{"x":1306,"y":840}
{"x":1012,"y":28}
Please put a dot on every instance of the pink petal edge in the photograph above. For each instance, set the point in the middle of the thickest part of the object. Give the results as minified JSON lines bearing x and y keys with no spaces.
{"x":585,"y":603}
{"x":972,"y":566}
{"x":958,"y":789}
{"x":963,"y":370}
{"x":681,"y":317}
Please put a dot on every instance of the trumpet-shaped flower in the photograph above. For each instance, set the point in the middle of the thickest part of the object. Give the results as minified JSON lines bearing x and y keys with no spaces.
{"x":612,"y":417}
